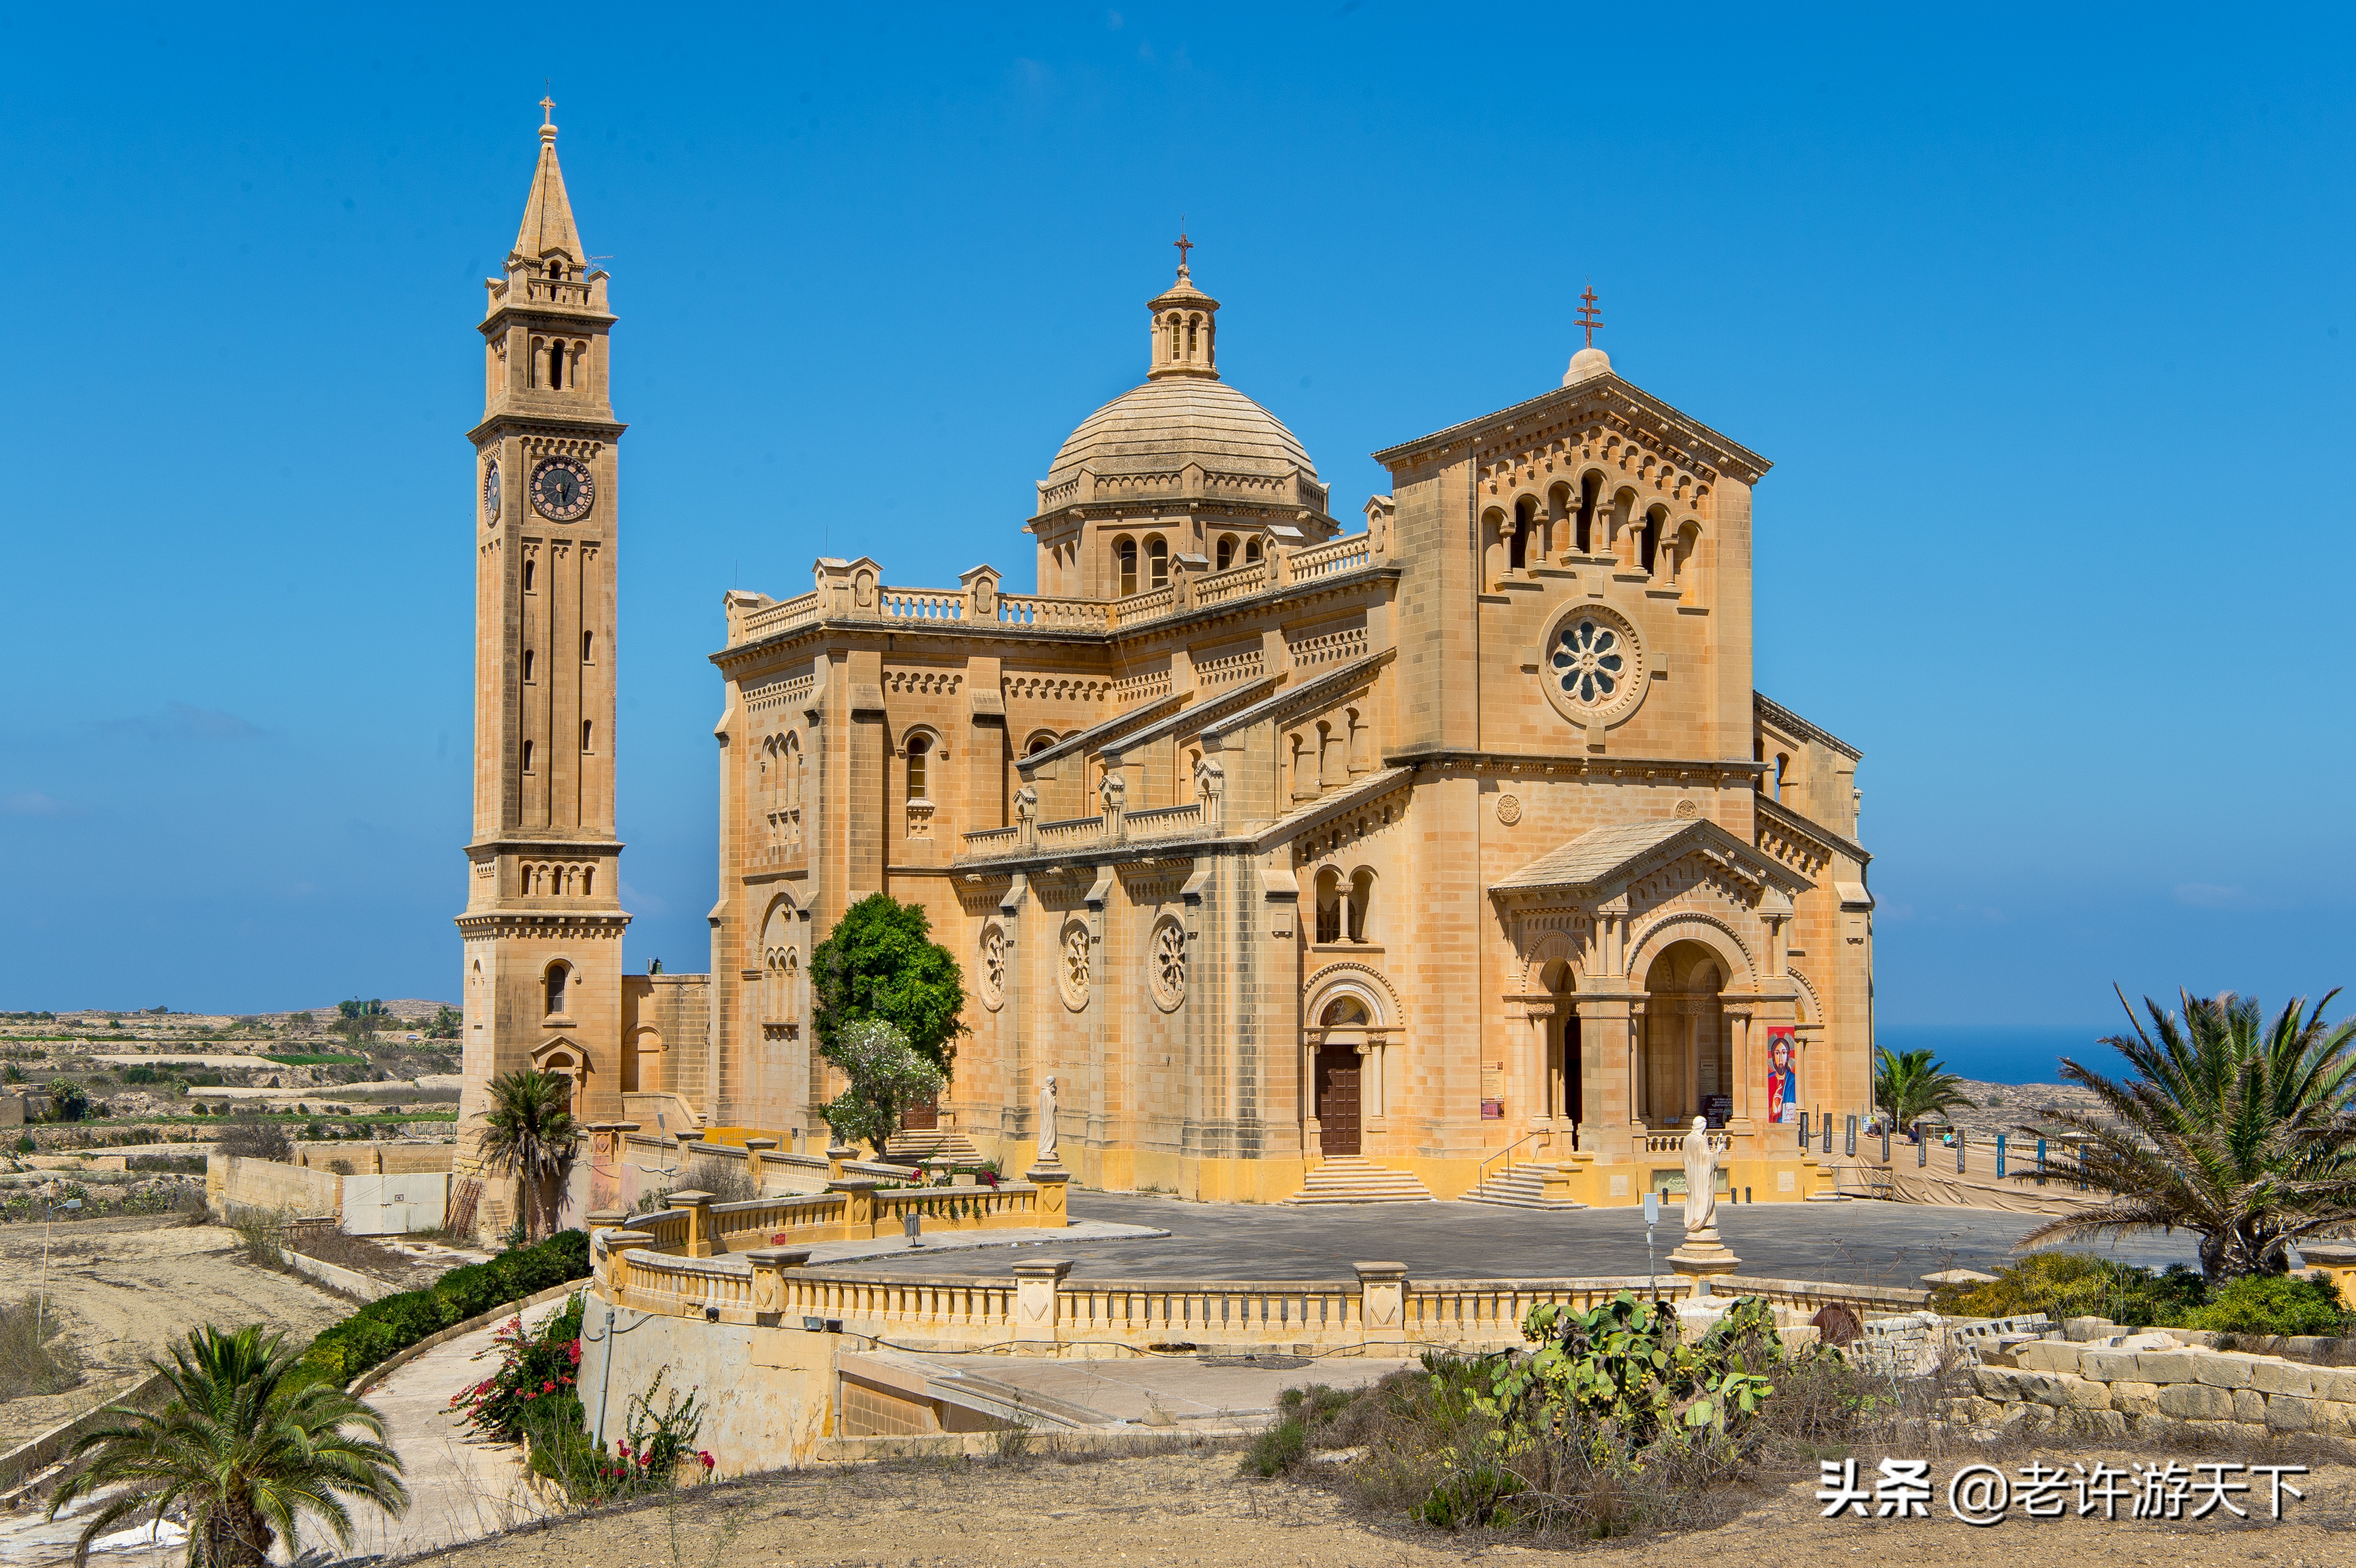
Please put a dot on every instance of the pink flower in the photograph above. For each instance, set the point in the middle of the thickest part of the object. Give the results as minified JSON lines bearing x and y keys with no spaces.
{"x":707,"y":1460}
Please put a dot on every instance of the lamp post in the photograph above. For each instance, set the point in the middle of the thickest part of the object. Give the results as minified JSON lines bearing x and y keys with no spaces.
{"x":1652,"y":1218}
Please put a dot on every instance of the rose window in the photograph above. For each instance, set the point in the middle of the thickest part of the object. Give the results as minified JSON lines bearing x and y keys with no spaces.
{"x":1076,"y":964}
{"x":1168,"y":965}
{"x":993,"y":966}
{"x":1591,"y":661}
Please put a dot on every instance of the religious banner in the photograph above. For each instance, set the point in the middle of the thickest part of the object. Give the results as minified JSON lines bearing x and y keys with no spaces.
{"x":1782,"y":1073}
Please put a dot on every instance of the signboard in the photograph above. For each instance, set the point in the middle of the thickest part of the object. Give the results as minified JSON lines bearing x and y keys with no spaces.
{"x":1782,"y":1073}
{"x":1718,"y":1108}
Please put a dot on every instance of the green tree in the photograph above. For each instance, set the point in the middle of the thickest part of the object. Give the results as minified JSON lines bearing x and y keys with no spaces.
{"x":881,"y":962}
{"x":244,"y":1449}
{"x":1911,"y":1086}
{"x":446,"y":1019}
{"x":70,"y":1099}
{"x":2231,"y":1129}
{"x":530,"y":1134}
{"x":888,"y":1076}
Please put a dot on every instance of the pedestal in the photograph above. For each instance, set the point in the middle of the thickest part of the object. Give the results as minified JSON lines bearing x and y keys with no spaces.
{"x":1701,"y":1256}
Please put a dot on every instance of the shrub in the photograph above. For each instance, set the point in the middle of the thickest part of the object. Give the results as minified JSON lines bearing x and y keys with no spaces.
{"x":34,"y":1359}
{"x":1278,"y":1448}
{"x":2077,"y":1284}
{"x":385,"y":1327}
{"x":2274,"y":1303}
{"x":533,"y":1365}
{"x":248,"y":1136}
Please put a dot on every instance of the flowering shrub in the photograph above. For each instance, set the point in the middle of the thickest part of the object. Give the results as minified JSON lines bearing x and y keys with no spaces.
{"x":534,"y":1365}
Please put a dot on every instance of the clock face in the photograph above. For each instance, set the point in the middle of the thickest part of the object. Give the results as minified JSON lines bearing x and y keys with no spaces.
{"x":491,"y":493}
{"x":562,"y":490}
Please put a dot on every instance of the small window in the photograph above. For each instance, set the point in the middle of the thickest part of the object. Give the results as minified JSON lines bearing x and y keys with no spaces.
{"x":588,"y":648}
{"x":1329,"y":906}
{"x":589,"y":881}
{"x":919,"y":758}
{"x":1589,"y":490}
{"x":556,"y":976}
{"x":585,"y":733}
{"x":1648,"y":547}
{"x":1157,"y":562}
{"x":527,"y":756}
{"x":1227,"y":557}
{"x":529,"y":563}
{"x":556,"y":367}
{"x":1124,"y":553}
{"x":1362,"y":902}
{"x":1252,"y":552}
{"x":1517,"y":549}
{"x":1038,"y":744}
{"x":526,"y":667}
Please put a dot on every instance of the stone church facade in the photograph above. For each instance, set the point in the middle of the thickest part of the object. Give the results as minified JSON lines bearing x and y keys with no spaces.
{"x":1445,"y":849}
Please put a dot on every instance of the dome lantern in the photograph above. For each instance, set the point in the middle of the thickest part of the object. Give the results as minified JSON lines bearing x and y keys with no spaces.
{"x":1185,"y":327}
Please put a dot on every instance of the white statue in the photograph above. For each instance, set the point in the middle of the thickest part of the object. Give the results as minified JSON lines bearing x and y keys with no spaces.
{"x":1046,"y":1154}
{"x":1701,"y":1180}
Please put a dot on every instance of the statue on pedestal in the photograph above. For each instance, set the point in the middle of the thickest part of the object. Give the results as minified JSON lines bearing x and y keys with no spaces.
{"x":1046,"y":1154}
{"x":1702,"y":1253}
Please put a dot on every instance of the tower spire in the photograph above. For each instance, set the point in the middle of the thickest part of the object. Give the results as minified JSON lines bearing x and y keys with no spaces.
{"x":1185,"y":323}
{"x":547,"y":227}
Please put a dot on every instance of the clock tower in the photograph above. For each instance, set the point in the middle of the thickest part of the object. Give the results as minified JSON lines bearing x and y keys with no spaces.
{"x":543,"y":920}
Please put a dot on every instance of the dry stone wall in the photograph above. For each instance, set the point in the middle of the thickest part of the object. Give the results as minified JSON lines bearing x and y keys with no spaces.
{"x":2159,"y":1382}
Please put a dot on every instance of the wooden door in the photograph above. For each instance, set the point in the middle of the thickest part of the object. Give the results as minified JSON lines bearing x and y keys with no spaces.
{"x":1337,"y":1101}
{"x":922,"y":1117}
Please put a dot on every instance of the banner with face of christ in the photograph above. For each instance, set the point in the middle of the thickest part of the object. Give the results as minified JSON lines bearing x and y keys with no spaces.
{"x":1782,"y":1073}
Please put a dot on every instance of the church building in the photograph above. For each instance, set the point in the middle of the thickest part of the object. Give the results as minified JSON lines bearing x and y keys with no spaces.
{"x":1439,"y":849}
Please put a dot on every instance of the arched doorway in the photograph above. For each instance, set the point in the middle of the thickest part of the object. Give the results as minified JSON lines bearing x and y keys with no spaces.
{"x":1340,"y":1064}
{"x":1689,"y":1050}
{"x":1565,"y":1090}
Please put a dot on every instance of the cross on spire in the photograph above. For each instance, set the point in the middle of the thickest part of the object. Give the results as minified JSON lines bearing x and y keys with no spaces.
{"x":547,"y":110}
{"x":1184,"y":245}
{"x":1587,"y":317}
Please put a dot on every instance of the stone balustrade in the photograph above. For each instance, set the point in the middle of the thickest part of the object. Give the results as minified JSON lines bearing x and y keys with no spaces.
{"x":1163,"y":821}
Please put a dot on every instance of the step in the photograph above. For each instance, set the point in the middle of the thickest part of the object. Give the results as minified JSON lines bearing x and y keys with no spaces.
{"x":909,"y":1147}
{"x":1521,"y":1187}
{"x":1350,"y":1178}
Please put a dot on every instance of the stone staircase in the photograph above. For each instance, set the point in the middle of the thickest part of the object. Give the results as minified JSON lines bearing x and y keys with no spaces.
{"x":1350,"y":1178}
{"x":1517,"y":1187}
{"x":907,"y":1147}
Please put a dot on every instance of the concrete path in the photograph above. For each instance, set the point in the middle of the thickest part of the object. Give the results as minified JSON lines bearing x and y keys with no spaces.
{"x":461,"y":1488}
{"x":1858,"y":1242}
{"x":1157,"y":1391}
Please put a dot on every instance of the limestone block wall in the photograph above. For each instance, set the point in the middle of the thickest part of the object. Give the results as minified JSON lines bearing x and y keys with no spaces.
{"x":234,"y":1181}
{"x":2162,"y":1382}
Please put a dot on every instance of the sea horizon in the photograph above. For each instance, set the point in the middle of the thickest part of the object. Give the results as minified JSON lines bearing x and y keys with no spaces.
{"x":2007,"y":1053}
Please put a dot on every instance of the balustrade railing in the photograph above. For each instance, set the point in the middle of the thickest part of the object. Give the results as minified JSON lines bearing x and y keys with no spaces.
{"x":1233,"y":583}
{"x":1071,"y":833}
{"x":1345,"y":554}
{"x":1163,"y":821}
{"x":1053,"y":614}
{"x":922,"y":603}
{"x":1151,"y":605}
{"x":993,"y":841}
{"x":780,"y":617}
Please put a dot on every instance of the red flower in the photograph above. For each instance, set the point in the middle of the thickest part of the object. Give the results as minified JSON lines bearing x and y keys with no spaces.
{"x":708,"y":1460}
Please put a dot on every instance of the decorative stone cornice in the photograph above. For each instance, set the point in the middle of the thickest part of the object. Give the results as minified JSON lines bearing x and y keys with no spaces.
{"x":1656,"y":420}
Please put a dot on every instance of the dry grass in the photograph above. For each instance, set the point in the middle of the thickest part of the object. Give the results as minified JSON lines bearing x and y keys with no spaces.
{"x":36,"y":1358}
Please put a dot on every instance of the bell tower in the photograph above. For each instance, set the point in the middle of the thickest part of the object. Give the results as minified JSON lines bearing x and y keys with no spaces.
{"x":543,"y":921}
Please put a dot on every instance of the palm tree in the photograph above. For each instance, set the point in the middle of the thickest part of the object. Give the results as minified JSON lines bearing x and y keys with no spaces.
{"x":2242,"y":1132}
{"x":246,"y":1451}
{"x":530,"y":1134}
{"x":1911,"y":1086}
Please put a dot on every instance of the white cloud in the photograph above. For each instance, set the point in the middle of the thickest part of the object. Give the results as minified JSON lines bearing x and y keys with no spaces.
{"x":29,"y":803}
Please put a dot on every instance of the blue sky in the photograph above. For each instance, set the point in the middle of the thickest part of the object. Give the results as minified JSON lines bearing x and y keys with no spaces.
{"x":2044,"y":316}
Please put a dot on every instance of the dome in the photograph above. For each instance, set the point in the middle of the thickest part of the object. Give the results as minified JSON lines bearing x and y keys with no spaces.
{"x":1167,"y":423}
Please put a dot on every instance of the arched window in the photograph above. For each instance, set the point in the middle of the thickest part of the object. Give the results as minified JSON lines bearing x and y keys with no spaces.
{"x":1362,"y":901}
{"x":1251,"y":551}
{"x":1124,"y":559}
{"x":1517,"y":548}
{"x":588,"y":648}
{"x":527,"y":756}
{"x":1227,"y":556}
{"x":557,"y":974}
{"x":1038,"y":744}
{"x":588,"y":882}
{"x":556,"y":270}
{"x":1590,"y":489}
{"x":1648,"y":547}
{"x":586,"y":732}
{"x":920,"y":749}
{"x":528,"y":564}
{"x":1157,"y":562}
{"x":1329,"y":905}
{"x":527,"y":665}
{"x":1783,"y":770}
{"x":556,"y":366}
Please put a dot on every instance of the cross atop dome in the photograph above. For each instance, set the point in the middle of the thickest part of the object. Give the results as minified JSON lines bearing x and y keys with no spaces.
{"x":1590,"y":360}
{"x":1184,"y":322}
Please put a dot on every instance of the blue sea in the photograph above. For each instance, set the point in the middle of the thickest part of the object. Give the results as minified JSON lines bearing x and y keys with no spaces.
{"x":2008,"y":1053}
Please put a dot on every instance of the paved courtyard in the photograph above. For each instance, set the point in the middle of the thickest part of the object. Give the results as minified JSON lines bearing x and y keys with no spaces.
{"x":1859,"y":1243}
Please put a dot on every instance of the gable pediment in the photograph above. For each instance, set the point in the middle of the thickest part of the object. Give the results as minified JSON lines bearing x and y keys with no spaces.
{"x":1648,"y":862}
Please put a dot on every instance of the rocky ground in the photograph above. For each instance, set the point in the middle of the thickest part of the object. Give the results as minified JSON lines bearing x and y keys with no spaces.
{"x":1190,"y":1509}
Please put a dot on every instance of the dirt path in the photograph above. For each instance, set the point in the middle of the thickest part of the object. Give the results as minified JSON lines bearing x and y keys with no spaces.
{"x":127,"y":1287}
{"x":1190,"y":1510}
